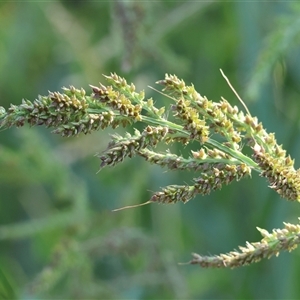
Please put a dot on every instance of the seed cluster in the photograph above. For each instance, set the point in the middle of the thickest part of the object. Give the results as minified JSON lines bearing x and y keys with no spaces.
{"x":286,"y":239}
{"x":279,"y":171}
{"x":67,"y":112}
{"x":212,"y":178}
{"x":117,"y":101}
{"x":121,"y":147}
{"x":190,"y":117}
{"x":217,"y":117}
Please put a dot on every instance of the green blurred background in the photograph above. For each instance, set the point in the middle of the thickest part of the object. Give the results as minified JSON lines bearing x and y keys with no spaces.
{"x":58,"y":236}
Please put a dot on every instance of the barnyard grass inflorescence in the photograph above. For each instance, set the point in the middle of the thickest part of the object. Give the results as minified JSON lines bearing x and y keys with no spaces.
{"x":218,"y":131}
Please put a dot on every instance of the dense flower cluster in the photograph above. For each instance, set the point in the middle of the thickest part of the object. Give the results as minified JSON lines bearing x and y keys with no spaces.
{"x":121,"y":147}
{"x":272,"y":243}
{"x":280,"y":172}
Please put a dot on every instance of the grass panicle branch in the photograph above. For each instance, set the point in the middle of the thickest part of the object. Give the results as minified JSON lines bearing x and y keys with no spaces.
{"x":220,"y":132}
{"x":286,"y":239}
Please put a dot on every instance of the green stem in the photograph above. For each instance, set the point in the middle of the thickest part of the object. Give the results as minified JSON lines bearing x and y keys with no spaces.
{"x":236,"y":154}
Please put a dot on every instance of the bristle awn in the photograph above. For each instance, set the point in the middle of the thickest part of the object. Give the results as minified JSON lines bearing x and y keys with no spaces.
{"x":235,"y":92}
{"x":162,"y":93}
{"x":132,"y":206}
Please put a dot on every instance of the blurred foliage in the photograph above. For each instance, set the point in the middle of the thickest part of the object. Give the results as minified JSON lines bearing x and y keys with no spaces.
{"x":59,"y":238}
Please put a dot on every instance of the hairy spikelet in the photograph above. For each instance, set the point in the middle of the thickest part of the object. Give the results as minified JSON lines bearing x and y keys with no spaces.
{"x":286,"y":239}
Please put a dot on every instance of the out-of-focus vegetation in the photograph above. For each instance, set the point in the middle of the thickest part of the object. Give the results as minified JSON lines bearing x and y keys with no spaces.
{"x":59,"y":238}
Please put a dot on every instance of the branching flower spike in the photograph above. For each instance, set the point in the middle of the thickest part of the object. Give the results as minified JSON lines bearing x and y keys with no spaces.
{"x":220,"y":132}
